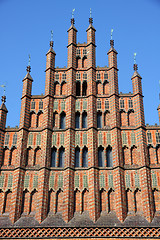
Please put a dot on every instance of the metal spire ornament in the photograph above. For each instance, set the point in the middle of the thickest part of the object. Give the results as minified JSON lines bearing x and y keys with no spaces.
{"x":51,"y":42}
{"x":4,"y":89}
{"x":135,"y":58}
{"x":29,"y":60}
{"x":73,"y":13}
{"x":90,"y":13}
{"x":111,"y":33}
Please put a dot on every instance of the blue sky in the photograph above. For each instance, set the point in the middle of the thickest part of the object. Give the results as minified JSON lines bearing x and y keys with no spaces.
{"x":25,"y":28}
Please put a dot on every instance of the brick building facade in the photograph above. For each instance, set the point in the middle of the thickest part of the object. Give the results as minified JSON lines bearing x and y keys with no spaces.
{"x":82,"y":162}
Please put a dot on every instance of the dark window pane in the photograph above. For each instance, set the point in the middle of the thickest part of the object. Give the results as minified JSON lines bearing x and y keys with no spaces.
{"x":85,"y":157}
{"x":77,"y":120}
{"x":77,"y":157}
{"x":53,"y":157}
{"x":99,"y":120}
{"x":63,"y":121}
{"x":84,"y":120}
{"x":61,"y":157}
{"x":109,"y":157}
{"x":100,"y":157}
{"x":78,"y":88}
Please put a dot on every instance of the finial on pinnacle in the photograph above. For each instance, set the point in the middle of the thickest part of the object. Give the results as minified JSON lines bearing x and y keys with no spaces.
{"x":29,"y":64}
{"x":51,"y":42}
{"x":4,"y":89}
{"x":112,"y":41}
{"x":111,"y":33}
{"x":90,"y":19}
{"x":3,"y":99}
{"x":135,"y":66}
{"x":72,"y":19}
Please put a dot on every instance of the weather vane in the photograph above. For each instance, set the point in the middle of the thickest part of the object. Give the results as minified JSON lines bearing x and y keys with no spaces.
{"x":111,"y":33}
{"x":4,"y":89}
{"x":135,"y":58}
{"x":73,"y":13}
{"x":51,"y":35}
{"x":90,"y":12}
{"x":29,"y":61}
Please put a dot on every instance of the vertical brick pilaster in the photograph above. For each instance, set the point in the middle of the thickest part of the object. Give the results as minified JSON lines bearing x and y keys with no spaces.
{"x":120,"y":203}
{"x":3,"y":116}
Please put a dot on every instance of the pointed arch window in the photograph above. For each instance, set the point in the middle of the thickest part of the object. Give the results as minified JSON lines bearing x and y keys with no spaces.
{"x":85,"y":157}
{"x":63,"y":120}
{"x":99,"y":119}
{"x":101,"y":156}
{"x":77,"y":120}
{"x":84,"y":120}
{"x":61,"y":157}
{"x":109,"y":157}
{"x":77,"y":157}
{"x":53,"y":157}
{"x":78,"y":88}
{"x":84,"y":88}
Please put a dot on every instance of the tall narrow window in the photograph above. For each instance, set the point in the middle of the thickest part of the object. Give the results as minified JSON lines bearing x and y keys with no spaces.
{"x":99,"y":120}
{"x":78,"y":88}
{"x":149,"y":136}
{"x":85,"y":157}
{"x":77,"y":157}
{"x":84,"y":120}
{"x":106,"y":88}
{"x":61,"y":157}
{"x":14,"y":139}
{"x":109,"y":157}
{"x":101,"y":157}
{"x":130,"y":103}
{"x":63,"y":120}
{"x":6,"y":142}
{"x":40,"y":105}
{"x":77,"y":120}
{"x":53,"y":157}
{"x":56,"y":88}
{"x":84,"y":88}
{"x":121,"y":104}
{"x":107,"y":104}
{"x":33,"y":105}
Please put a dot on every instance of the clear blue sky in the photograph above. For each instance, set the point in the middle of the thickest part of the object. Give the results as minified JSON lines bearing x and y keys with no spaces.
{"x":25,"y":27}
